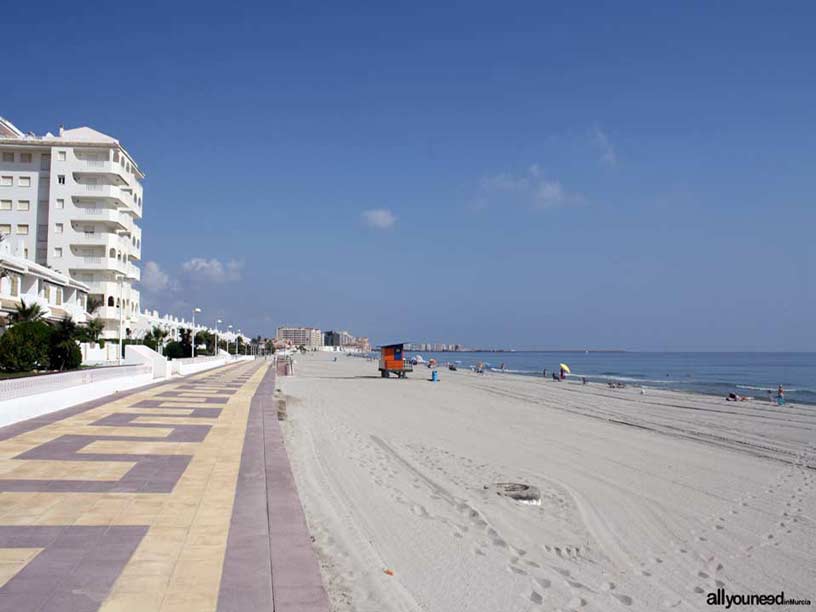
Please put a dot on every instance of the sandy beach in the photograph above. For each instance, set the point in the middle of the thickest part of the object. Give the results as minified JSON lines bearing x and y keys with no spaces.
{"x":648,"y":502}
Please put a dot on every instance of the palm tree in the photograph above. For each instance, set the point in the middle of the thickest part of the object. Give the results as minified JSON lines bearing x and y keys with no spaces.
{"x":93,"y":303}
{"x":158,"y":335}
{"x":94,"y":329}
{"x":27,"y":313}
{"x":65,"y":329}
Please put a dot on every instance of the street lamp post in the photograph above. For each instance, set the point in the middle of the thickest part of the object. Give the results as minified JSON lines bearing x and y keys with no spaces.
{"x":216,"y":336}
{"x":195,"y":310}
{"x":120,"y":278}
{"x":228,"y":342}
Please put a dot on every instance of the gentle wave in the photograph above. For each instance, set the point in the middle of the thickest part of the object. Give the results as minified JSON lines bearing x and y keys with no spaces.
{"x":773,"y":388}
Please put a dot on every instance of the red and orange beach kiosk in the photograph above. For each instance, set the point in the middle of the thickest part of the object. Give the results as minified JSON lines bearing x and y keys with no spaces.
{"x":393,"y":361}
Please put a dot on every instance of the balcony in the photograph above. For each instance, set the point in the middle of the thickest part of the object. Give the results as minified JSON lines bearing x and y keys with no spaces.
{"x":104,"y":192}
{"x":98,"y":166}
{"x":108,"y":240}
{"x":111,"y":313}
{"x":107,"y":264}
{"x":107,"y":215}
{"x":133,"y":273}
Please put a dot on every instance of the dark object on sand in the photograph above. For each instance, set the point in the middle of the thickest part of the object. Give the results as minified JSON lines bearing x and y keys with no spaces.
{"x":452,"y":367}
{"x":526,"y":494}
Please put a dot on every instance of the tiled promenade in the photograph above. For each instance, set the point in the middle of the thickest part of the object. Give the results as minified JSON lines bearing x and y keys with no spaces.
{"x":126,"y":503}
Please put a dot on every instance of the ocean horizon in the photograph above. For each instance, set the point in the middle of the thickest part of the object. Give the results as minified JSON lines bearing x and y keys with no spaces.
{"x":752,"y":374}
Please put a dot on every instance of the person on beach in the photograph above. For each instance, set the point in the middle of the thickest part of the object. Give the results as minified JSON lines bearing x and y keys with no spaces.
{"x":544,"y":373}
{"x":780,"y":396}
{"x":563,"y":374}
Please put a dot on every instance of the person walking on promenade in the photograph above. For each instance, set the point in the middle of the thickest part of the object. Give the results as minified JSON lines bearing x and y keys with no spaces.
{"x":780,"y":396}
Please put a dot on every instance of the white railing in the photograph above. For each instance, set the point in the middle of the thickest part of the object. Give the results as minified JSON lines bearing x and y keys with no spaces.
{"x":202,"y":359}
{"x":32,"y":385}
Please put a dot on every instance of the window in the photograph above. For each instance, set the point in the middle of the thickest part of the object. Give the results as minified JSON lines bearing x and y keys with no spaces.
{"x":59,"y":292}
{"x":8,"y":157}
{"x":15,"y":285}
{"x":5,"y":229}
{"x":23,"y":205}
{"x":25,"y":158}
{"x":45,"y":161}
{"x":24,"y":181}
{"x":6,"y":181}
{"x":61,"y":179}
{"x":61,"y":155}
{"x":60,"y":203}
{"x":58,"y":252}
{"x":5,"y":204}
{"x":22,"y":230}
{"x":59,"y":228}
{"x":110,"y":300}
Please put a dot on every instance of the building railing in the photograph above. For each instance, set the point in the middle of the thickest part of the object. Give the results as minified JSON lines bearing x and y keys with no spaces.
{"x":32,"y":385}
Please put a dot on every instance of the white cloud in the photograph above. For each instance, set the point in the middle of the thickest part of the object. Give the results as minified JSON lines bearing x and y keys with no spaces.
{"x":604,"y":146}
{"x":380,"y":218}
{"x":212,"y":270}
{"x":154,"y":278}
{"x":531,"y":189}
{"x":550,"y":194}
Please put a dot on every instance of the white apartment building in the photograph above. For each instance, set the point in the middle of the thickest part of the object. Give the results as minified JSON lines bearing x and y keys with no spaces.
{"x":307,"y":336}
{"x":71,"y":202}
{"x":23,"y":281}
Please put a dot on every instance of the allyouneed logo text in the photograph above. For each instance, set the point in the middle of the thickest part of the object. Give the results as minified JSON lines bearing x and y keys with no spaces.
{"x":721,"y":598}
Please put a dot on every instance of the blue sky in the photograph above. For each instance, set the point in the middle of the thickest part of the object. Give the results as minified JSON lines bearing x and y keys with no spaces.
{"x":634,"y":176}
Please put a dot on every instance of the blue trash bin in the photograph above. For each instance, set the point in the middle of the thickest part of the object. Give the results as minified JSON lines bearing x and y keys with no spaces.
{"x":435,"y":376}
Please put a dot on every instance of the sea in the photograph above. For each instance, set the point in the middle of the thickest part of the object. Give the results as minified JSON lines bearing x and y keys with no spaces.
{"x":750,"y":374}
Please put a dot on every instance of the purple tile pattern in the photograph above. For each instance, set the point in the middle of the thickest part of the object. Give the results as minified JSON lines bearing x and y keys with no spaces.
{"x":75,"y":570}
{"x":152,"y":473}
{"x":269,"y":562}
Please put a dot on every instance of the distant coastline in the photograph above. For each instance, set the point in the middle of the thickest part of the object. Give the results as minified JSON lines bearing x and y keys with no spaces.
{"x":481,"y":350}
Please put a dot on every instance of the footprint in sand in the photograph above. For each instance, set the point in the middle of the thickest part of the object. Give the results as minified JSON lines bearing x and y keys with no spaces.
{"x":543,"y":583}
{"x":536,"y":597}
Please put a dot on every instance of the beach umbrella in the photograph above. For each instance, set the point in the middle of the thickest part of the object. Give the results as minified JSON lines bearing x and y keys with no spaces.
{"x":565,"y":367}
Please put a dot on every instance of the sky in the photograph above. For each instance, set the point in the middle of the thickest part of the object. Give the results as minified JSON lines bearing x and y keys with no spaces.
{"x":529,"y":175}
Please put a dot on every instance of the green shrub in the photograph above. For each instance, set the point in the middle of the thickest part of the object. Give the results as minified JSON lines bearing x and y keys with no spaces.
{"x":25,"y":347}
{"x":65,"y":355}
{"x":176,"y":350}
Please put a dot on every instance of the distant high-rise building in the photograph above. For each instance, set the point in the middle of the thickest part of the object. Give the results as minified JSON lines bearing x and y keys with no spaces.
{"x":310,"y":337}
